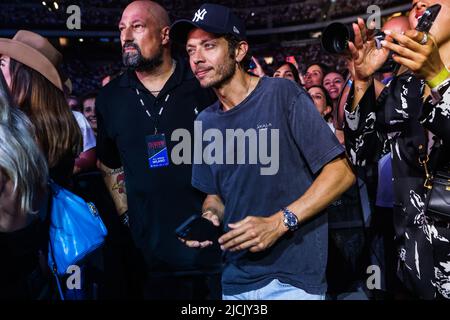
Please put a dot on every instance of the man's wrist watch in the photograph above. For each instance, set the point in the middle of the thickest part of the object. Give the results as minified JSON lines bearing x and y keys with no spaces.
{"x":290,"y":220}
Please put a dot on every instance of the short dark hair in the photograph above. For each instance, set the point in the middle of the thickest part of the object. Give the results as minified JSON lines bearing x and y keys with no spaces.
{"x":86,"y":96}
{"x":233,"y":43}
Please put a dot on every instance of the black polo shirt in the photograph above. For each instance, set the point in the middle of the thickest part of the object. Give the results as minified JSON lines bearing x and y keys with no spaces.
{"x":159,"y":199}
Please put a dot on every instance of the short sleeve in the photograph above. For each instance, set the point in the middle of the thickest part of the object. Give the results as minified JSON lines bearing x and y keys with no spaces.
{"x":311,"y":133}
{"x":202,"y":177}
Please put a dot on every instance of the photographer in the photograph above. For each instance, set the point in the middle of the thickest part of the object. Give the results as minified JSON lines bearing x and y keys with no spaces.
{"x":392,"y":123}
{"x":424,"y":54}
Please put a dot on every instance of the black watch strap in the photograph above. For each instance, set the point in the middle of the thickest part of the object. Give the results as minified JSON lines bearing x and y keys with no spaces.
{"x":125,"y":219}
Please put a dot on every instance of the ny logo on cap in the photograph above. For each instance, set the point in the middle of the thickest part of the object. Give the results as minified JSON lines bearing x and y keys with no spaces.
{"x":199,"y":15}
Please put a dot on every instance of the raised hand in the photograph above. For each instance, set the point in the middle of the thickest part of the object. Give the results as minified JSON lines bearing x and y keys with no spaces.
{"x":423,"y":59}
{"x":364,"y":58}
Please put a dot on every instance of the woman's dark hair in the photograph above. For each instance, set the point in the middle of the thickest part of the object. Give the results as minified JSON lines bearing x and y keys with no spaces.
{"x":57,"y":131}
{"x":325,"y":68}
{"x":293,"y":70}
{"x":328,"y":100}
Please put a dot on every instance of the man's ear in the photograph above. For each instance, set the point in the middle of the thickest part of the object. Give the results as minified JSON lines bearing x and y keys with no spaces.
{"x":165,"y":35}
{"x":241,"y":51}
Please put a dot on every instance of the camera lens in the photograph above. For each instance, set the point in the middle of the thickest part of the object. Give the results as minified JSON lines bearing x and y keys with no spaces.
{"x":336,"y":36}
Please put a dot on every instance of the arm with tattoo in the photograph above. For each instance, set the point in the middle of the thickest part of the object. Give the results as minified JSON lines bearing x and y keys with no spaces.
{"x":115,"y":183}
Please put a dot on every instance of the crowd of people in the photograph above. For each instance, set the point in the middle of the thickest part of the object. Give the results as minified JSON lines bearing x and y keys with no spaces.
{"x":350,"y":7}
{"x":323,"y":144}
{"x":257,"y":14}
{"x":86,"y":77}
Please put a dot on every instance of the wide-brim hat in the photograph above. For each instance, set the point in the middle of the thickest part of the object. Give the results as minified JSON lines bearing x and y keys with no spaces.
{"x":35,"y":52}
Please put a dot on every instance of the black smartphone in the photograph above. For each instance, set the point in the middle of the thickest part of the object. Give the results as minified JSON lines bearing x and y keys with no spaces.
{"x":199,"y":229}
{"x":252,"y":64}
{"x":424,"y":25}
{"x":426,"y":21}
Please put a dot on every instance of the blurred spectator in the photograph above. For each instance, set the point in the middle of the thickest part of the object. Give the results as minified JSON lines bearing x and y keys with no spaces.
{"x":88,"y":103}
{"x":333,"y":82}
{"x":314,"y":74}
{"x":323,"y":103}
{"x":288,"y":71}
{"x":86,"y":160}
{"x":74,"y":103}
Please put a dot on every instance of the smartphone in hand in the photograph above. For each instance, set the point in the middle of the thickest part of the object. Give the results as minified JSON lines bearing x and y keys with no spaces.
{"x":426,"y":21}
{"x":199,"y":229}
{"x":252,"y":64}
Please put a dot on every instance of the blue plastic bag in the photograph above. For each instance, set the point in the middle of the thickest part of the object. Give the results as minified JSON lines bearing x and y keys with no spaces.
{"x":76,"y":229}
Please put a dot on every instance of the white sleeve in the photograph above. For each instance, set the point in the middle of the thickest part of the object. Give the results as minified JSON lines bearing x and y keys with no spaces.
{"x":89,"y":141}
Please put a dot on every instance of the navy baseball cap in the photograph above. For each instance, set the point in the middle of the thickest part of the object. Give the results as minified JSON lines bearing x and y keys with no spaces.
{"x":212,"y":18}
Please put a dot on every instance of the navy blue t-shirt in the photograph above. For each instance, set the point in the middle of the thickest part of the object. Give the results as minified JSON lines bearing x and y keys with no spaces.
{"x":305,"y":144}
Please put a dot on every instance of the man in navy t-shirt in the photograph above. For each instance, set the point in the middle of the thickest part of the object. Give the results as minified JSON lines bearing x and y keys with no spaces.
{"x":268,"y":162}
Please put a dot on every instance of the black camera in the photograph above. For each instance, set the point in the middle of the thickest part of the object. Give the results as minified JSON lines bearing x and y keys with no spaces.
{"x":335,"y":37}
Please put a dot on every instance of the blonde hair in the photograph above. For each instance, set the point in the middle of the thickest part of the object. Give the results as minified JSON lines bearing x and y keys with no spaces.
{"x":21,"y":159}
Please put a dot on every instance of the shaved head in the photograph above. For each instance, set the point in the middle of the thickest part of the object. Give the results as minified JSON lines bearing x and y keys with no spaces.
{"x":158,"y":14}
{"x":144,"y":35}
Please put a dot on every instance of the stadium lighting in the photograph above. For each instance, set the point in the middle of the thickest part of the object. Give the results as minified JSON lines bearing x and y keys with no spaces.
{"x":81,"y":39}
{"x":55,"y":4}
{"x":44,"y":3}
{"x":268,"y":60}
{"x":63,"y":42}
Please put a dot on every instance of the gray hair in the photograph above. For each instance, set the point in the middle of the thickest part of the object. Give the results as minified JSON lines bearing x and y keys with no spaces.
{"x":20,"y":158}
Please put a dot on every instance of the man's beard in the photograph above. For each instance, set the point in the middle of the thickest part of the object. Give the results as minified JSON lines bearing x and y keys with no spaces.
{"x":137,"y":62}
{"x":225,"y":72}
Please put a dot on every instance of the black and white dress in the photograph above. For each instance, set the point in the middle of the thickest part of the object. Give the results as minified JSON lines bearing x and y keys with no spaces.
{"x":395,"y":122}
